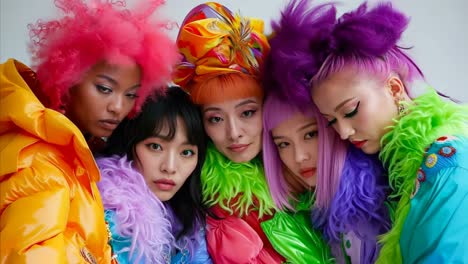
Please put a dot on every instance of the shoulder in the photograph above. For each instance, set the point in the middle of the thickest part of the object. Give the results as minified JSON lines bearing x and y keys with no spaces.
{"x":444,"y":152}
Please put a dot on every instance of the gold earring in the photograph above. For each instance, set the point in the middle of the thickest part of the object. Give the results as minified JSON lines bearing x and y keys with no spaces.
{"x":401,"y":107}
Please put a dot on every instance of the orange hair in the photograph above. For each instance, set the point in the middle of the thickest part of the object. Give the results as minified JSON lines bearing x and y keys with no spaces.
{"x":223,"y":87}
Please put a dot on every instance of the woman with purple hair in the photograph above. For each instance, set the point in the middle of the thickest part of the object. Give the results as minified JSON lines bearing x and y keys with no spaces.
{"x":150,"y":184}
{"x":351,"y":188}
{"x":361,"y":82}
{"x":290,"y":148}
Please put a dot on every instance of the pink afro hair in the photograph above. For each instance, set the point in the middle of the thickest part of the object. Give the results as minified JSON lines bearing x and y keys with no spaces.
{"x":64,"y":49}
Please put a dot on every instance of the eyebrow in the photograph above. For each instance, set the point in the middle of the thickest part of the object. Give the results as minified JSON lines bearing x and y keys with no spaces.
{"x":249,"y":101}
{"x":277,"y":137}
{"x":308,"y":125}
{"x":108,"y":78}
{"x":167,"y":139}
{"x":343,"y":103}
{"x":301,"y":128}
{"x":114,"y":82}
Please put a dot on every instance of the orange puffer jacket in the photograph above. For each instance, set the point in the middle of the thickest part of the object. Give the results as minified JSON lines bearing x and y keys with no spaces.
{"x":50,"y":207}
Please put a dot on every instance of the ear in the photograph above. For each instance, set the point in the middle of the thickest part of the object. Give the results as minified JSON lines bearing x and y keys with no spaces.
{"x":395,"y":87}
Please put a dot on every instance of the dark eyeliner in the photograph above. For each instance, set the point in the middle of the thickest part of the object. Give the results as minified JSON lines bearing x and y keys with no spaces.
{"x":354,"y":112}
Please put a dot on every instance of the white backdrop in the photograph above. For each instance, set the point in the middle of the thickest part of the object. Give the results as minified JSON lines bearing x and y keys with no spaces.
{"x":436,"y":31}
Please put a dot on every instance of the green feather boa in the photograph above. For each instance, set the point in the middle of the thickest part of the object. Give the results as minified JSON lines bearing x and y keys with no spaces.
{"x":223,"y":180}
{"x":427,"y":118}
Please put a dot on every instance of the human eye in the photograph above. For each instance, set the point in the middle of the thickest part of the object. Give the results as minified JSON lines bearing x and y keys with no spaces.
{"x":132,"y":95}
{"x":248,"y":113}
{"x":214,"y":119}
{"x":154,"y":146}
{"x":282,"y":145}
{"x":311,"y":134}
{"x":331,"y":122}
{"x":187,"y":153}
{"x":354,"y":112}
{"x":103,"y":89}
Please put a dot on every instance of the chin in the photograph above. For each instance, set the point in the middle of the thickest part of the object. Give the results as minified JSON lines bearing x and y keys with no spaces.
{"x":370,"y":150}
{"x":164,"y":197}
{"x":241,"y":158}
{"x":101,"y":133}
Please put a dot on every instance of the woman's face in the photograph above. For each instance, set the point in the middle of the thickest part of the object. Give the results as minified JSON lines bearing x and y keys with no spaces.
{"x":235,"y":127}
{"x":360,"y":107}
{"x":103,"y":98}
{"x":296,"y":140}
{"x":166,"y":164}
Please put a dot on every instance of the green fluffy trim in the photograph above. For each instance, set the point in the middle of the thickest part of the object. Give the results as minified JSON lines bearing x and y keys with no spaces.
{"x":426,"y":119}
{"x":235,"y":187}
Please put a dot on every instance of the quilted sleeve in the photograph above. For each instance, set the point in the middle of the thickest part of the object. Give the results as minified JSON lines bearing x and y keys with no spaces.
{"x":34,"y":212}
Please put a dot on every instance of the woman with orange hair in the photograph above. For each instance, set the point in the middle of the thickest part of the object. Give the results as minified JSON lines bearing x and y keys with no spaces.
{"x":223,"y":54}
{"x":94,"y":65}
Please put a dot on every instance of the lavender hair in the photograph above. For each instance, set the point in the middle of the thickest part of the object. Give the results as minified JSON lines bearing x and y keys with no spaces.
{"x":332,"y":153}
{"x":275,"y":112}
{"x":349,"y":197}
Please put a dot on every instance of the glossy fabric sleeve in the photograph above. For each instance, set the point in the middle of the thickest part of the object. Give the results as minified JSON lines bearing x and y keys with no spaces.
{"x":295,"y":239}
{"x":232,"y":240}
{"x":34,"y":213}
{"x":436,"y":229}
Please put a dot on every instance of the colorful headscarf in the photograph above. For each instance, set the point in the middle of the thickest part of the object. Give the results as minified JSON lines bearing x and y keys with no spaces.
{"x":214,"y":41}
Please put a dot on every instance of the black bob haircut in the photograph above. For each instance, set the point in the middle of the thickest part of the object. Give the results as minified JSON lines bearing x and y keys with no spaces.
{"x":158,"y":111}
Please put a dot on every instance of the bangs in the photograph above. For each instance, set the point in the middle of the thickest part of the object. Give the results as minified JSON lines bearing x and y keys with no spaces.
{"x":169,"y":123}
{"x":167,"y":127}
{"x":226,"y":87}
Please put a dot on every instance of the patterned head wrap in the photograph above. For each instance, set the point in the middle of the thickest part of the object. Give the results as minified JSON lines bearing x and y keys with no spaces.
{"x":213,"y":41}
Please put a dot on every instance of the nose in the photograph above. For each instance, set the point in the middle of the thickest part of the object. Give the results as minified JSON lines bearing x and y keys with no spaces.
{"x":116,"y":104}
{"x":234,"y":129}
{"x":345,"y":130}
{"x":301,"y":153}
{"x":168,"y":165}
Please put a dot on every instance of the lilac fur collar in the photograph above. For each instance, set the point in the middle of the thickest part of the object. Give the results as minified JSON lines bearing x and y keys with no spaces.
{"x":359,"y":204}
{"x":139,"y":214}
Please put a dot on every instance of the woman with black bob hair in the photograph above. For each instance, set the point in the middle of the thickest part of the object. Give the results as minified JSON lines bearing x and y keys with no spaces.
{"x":151,"y":182}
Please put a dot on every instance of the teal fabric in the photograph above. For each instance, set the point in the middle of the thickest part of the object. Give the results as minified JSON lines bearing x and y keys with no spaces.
{"x":292,"y":234}
{"x":120,"y":245}
{"x":201,"y":255}
{"x":436,"y":227}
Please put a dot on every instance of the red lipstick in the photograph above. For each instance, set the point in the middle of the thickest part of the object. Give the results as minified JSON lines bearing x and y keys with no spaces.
{"x":308,"y":172}
{"x":359,"y":144}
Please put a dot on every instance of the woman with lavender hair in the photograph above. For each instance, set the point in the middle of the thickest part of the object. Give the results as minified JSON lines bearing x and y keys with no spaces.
{"x":290,"y":148}
{"x":151,"y":183}
{"x":351,"y":187}
{"x":361,"y":81}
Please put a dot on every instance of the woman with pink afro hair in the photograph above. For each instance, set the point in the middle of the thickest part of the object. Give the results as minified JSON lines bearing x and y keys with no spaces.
{"x":94,"y":66}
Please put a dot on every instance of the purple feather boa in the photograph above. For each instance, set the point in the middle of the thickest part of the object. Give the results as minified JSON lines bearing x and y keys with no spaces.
{"x":359,"y":205}
{"x":190,"y":241}
{"x":140,"y":215}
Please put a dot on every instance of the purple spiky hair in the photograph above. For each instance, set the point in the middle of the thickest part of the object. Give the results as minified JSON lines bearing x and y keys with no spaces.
{"x":369,"y":33}
{"x":307,"y":35}
{"x":290,"y":65}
